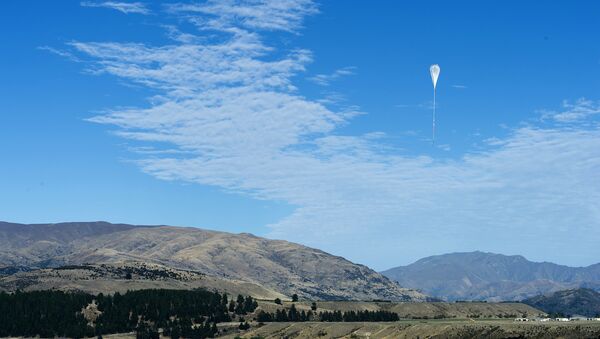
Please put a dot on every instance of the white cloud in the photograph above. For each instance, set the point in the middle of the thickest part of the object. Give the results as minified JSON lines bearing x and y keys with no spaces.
{"x":459,"y":86}
{"x":62,"y":53}
{"x":123,"y":7}
{"x":579,"y":111}
{"x":175,"y":34}
{"x":230,"y":112}
{"x":326,"y":79}
{"x":279,"y":15}
{"x":425,"y":105}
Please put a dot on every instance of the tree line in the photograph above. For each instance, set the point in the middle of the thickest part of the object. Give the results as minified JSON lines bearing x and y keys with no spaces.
{"x":293,"y":315}
{"x":180,"y":313}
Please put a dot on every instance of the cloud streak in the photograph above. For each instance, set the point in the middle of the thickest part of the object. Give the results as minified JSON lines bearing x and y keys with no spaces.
{"x":326,"y":79}
{"x":235,"y":15}
{"x":123,"y":7}
{"x":227,"y":114}
{"x":61,"y":53}
{"x":582,"y":110}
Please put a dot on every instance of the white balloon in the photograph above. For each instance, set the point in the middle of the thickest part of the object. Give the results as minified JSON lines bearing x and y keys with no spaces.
{"x":434,"y":70}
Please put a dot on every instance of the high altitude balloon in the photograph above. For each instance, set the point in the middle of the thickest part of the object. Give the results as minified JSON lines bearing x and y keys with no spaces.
{"x":434,"y":70}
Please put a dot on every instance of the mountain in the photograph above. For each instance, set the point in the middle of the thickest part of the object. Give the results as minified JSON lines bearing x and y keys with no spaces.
{"x":489,"y":276}
{"x":581,"y":301}
{"x":32,"y":244}
{"x":278,"y":266}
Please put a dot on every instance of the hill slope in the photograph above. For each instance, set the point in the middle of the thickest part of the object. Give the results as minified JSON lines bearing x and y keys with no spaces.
{"x":581,"y":301}
{"x":493,"y":277}
{"x":110,"y":278}
{"x":409,"y":310}
{"x":279,"y":266}
{"x":36,"y":245}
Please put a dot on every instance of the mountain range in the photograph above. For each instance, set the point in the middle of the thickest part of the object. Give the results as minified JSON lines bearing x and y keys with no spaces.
{"x":100,"y":256}
{"x":491,"y":277}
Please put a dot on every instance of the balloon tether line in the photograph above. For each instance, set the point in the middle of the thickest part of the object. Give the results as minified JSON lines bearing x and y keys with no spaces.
{"x":434,"y":71}
{"x":433,"y":120}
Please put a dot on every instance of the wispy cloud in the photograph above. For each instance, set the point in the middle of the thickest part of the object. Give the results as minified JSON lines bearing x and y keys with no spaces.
{"x":332,"y":98}
{"x":229,"y":109}
{"x":459,"y":86}
{"x":425,"y":105}
{"x":123,"y":7}
{"x":326,"y":79}
{"x":234,"y":14}
{"x":62,"y":53}
{"x":579,"y":111}
{"x":177,"y":35}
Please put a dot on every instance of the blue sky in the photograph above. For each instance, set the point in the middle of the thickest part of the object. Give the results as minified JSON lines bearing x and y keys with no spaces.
{"x":310,"y":122}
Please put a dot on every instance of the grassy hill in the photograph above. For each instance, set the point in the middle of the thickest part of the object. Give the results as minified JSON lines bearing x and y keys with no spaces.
{"x":279,"y":266}
{"x":418,"y":310}
{"x":130,"y":276}
{"x":581,"y":301}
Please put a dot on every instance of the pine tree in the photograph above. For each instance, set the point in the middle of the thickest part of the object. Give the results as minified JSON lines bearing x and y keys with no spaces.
{"x":264,"y":317}
{"x":224,"y":300}
{"x":293,"y":313}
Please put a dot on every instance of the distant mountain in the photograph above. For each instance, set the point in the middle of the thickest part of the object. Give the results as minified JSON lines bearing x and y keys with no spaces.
{"x":581,"y":301}
{"x":274,"y":265}
{"x":492,"y":277}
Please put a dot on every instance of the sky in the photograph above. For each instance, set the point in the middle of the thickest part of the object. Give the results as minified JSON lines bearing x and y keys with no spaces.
{"x":310,"y":122}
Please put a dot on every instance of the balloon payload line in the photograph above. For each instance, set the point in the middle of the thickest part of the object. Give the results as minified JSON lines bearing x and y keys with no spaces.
{"x":434,"y":71}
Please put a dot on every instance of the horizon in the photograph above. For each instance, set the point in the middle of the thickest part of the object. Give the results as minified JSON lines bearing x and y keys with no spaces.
{"x":310,"y":122}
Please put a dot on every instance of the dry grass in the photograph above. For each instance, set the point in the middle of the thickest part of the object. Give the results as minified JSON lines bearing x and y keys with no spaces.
{"x":418,"y":309}
{"x":490,"y":329}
